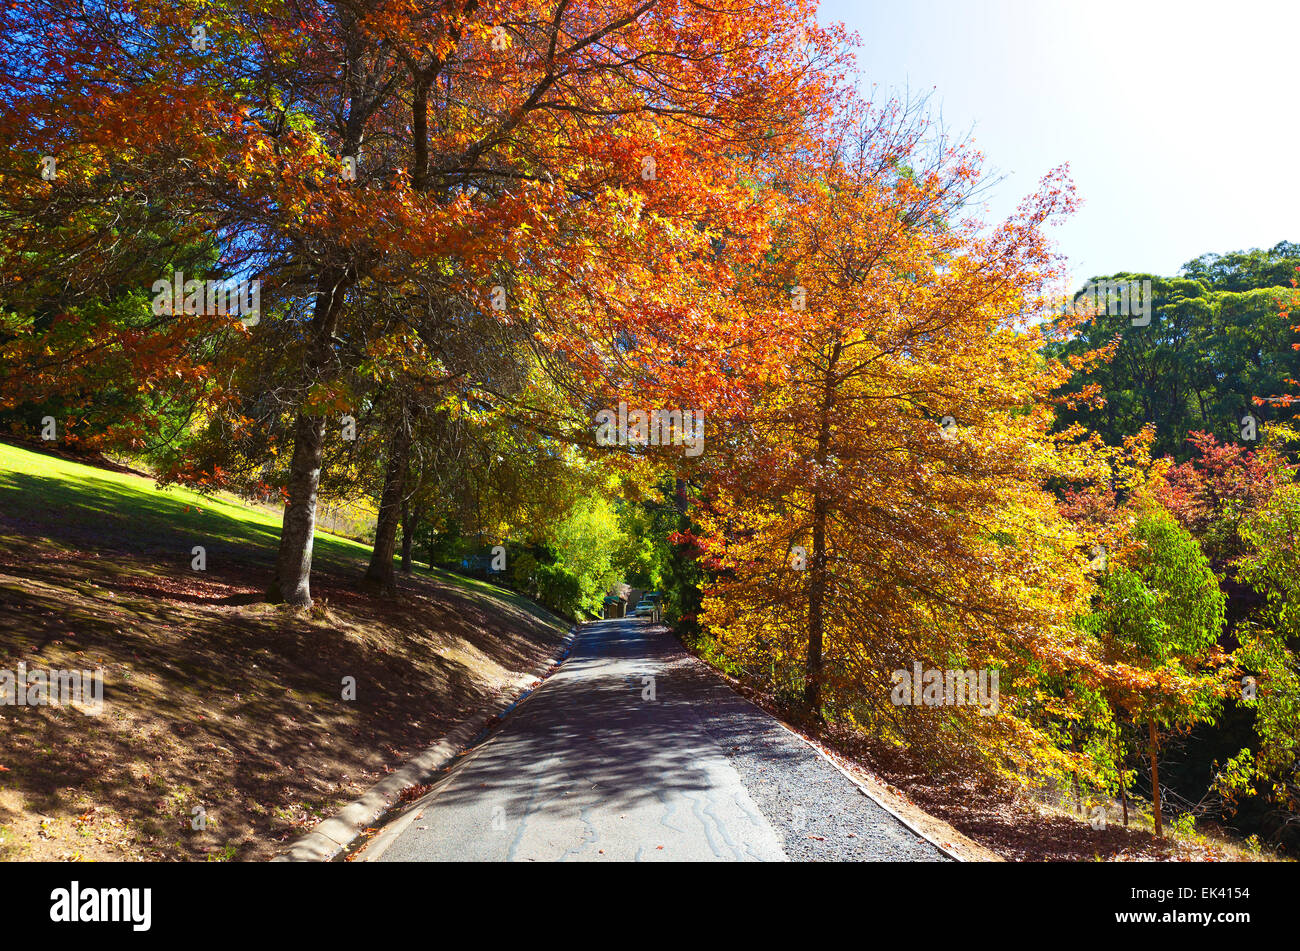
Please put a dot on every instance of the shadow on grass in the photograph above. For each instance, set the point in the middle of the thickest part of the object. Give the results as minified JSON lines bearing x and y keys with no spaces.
{"x":107,"y":515}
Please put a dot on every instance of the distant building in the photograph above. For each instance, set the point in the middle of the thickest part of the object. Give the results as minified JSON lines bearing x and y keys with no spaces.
{"x":614,"y":607}
{"x":623,"y":597}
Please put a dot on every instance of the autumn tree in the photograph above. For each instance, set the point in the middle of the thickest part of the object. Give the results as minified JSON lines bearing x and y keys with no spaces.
{"x":568,"y":166}
{"x":1219,"y":488}
{"x":883,"y":503}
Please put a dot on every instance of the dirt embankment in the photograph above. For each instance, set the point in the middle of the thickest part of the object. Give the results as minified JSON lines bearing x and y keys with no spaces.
{"x":225,"y":729}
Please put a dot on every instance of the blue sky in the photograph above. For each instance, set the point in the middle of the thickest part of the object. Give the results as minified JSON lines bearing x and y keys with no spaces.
{"x":1177,"y":118}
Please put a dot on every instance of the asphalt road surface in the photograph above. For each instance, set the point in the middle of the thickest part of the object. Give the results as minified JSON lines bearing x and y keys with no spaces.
{"x":636,"y":751}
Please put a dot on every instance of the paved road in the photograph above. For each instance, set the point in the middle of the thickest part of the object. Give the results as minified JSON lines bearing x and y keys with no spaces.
{"x":603,"y":763}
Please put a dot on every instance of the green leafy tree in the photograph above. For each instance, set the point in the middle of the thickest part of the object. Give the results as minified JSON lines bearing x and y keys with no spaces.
{"x":1158,"y":616}
{"x":1269,"y":652}
{"x":1218,"y":346}
{"x":586,"y":544}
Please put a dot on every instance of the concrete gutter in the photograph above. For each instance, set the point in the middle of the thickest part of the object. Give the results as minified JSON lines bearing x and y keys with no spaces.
{"x":329,"y":838}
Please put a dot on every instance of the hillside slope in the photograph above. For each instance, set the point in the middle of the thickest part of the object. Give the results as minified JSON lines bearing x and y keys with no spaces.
{"x":213,"y":700}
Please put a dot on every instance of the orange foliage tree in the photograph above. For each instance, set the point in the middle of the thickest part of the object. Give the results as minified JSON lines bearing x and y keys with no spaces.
{"x":585,"y":170}
{"x":884,"y":505}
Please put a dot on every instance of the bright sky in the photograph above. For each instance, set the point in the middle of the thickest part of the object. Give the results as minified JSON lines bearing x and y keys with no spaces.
{"x":1178,"y":119}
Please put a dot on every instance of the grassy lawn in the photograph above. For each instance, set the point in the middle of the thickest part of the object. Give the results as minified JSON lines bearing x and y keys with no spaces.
{"x":121,"y":508}
{"x":215,"y":700}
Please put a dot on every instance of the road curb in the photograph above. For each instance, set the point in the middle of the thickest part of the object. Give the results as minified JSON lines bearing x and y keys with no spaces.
{"x":328,"y":838}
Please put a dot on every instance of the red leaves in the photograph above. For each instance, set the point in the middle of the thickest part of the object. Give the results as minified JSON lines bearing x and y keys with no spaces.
{"x":414,"y":792}
{"x":1223,"y":483}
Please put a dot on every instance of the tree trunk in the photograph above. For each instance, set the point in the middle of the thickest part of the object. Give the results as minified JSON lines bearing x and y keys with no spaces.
{"x":409,"y":521}
{"x":1122,"y":760}
{"x":380,"y":575}
{"x":1155,"y":779}
{"x":816,"y":610}
{"x":1074,"y":775}
{"x":814,"y":672}
{"x":292,"y":581}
